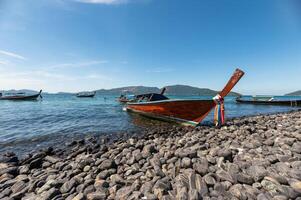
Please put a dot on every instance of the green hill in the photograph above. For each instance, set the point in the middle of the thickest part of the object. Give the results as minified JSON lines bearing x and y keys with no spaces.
{"x":176,"y":90}
{"x":296,"y":93}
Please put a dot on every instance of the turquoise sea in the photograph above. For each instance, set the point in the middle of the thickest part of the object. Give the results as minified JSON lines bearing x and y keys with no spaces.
{"x":59,"y":118}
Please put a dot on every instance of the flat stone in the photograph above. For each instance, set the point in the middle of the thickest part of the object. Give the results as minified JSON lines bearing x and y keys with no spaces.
{"x":51,"y":159}
{"x":48,"y":195}
{"x":201,"y":166}
{"x":244,"y":178}
{"x":209,"y":180}
{"x":18,"y":186}
{"x":257,"y":172}
{"x":67,"y":186}
{"x":225,"y":176}
{"x":97,"y":196}
{"x":123,"y":193}
{"x":79,"y":196}
{"x":107,"y":164}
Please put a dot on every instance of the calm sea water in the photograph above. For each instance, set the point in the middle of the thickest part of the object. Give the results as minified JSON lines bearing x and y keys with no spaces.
{"x":59,"y":118}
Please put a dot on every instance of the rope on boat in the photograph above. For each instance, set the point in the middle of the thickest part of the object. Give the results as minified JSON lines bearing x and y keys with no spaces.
{"x":219,"y":112}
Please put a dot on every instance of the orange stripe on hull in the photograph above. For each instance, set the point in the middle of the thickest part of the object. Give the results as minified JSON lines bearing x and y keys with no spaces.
{"x":187,"y":110}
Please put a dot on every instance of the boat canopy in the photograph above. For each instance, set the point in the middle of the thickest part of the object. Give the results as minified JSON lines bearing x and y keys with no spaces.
{"x":151,"y":97}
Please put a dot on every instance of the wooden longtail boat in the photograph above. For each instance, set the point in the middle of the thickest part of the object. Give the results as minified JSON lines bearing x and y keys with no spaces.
{"x":21,"y":96}
{"x":270,"y":101}
{"x":184,"y":111}
{"x":85,"y":94}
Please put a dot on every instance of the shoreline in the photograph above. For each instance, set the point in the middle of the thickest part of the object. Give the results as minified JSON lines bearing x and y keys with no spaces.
{"x":250,"y":157}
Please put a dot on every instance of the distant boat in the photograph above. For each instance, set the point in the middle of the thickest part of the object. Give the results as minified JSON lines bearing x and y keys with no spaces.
{"x":20,"y":96}
{"x":86,"y":94}
{"x":183,"y":111}
{"x":268,"y":100}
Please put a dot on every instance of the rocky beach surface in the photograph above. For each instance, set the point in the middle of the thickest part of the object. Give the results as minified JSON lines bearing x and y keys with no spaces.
{"x":255,"y":157}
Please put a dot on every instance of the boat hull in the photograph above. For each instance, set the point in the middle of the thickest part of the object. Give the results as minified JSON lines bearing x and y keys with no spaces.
{"x":276,"y":103}
{"x":21,"y":98}
{"x":186,"y":112}
{"x":85,"y":96}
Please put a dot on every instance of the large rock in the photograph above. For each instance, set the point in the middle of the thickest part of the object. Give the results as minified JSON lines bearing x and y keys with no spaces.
{"x":225,"y":176}
{"x":50,"y":194}
{"x":97,"y":196}
{"x":123,"y":193}
{"x":201,"y":166}
{"x":257,"y":172}
{"x":67,"y":186}
{"x":148,"y":150}
{"x":107,"y":164}
{"x":296,"y":185}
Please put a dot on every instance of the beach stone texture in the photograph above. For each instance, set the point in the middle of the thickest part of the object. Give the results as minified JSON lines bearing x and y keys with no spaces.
{"x":255,"y":157}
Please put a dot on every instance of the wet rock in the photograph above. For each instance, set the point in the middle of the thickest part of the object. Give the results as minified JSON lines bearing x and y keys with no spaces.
{"x":51,"y":159}
{"x":9,"y":170}
{"x":37,"y":163}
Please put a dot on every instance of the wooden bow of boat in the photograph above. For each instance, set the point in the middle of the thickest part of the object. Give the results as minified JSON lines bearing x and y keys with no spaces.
{"x":184,"y":111}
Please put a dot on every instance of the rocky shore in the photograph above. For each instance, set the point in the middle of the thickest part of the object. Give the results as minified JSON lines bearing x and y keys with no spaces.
{"x":249,"y":158}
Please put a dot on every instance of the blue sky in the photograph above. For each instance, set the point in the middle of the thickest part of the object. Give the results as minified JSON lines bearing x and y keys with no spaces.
{"x":74,"y":45}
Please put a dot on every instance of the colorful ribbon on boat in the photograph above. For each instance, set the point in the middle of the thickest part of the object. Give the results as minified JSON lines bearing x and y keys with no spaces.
{"x":219,"y":112}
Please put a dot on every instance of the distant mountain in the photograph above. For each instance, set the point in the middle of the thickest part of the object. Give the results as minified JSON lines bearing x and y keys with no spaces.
{"x":129,"y":89}
{"x":296,"y":93}
{"x":186,"y":90}
{"x":177,"y":90}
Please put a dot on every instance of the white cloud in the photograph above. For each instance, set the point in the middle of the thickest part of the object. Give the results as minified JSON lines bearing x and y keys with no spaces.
{"x":13,"y":55}
{"x":103,"y":1}
{"x":3,"y":62}
{"x":97,"y":76}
